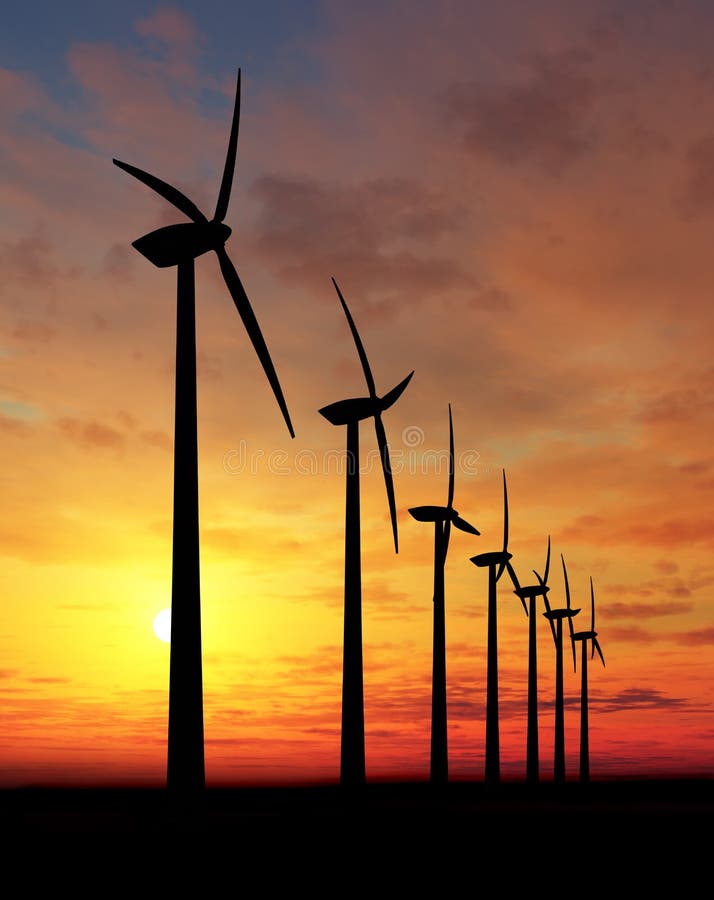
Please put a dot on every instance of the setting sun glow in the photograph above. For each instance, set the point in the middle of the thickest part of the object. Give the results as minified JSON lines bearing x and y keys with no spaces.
{"x":162,"y":625}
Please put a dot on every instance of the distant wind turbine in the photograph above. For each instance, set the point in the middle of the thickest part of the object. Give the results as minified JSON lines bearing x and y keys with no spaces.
{"x":350,"y":412}
{"x":530,"y":592}
{"x":555,"y":617}
{"x":179,"y":245}
{"x":584,"y":637}
{"x":443,"y":518}
{"x":496,"y":562}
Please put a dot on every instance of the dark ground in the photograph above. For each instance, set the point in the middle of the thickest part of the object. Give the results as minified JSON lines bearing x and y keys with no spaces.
{"x":642,"y":832}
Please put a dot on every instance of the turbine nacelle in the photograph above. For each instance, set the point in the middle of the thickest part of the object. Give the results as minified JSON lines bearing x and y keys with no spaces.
{"x":442,"y":514}
{"x":555,"y":614}
{"x":531,"y":590}
{"x":355,"y":409}
{"x":174,"y":244}
{"x":584,"y":636}
{"x":494,"y":558}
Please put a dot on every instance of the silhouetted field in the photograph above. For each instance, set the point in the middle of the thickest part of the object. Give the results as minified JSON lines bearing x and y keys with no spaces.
{"x":661,"y":824}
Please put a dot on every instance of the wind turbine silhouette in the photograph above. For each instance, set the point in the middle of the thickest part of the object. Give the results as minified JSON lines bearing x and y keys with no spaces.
{"x":496,"y":562}
{"x":179,"y":245}
{"x":530,"y":592}
{"x":443,"y":518}
{"x":555,"y":617}
{"x":350,"y":412}
{"x":584,"y":637}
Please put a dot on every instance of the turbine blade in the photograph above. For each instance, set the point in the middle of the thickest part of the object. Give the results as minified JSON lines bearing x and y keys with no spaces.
{"x":450,"y":501}
{"x":596,"y":646}
{"x":567,"y":586}
{"x":502,"y":566}
{"x":172,"y":194}
{"x":572,"y":642}
{"x":505,"y":513}
{"x":514,"y":577}
{"x":240,"y":298}
{"x":229,"y":168}
{"x":463,"y":525}
{"x":387,"y":469}
{"x":391,"y":397}
{"x":592,"y":605}
{"x":447,"y":536}
{"x":547,"y":563}
{"x":516,"y":585}
{"x":547,"y":608}
{"x":358,"y":343}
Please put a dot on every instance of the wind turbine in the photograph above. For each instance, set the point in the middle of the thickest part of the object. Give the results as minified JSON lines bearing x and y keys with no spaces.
{"x":584,"y":637}
{"x":350,"y":412}
{"x":443,"y":518}
{"x":530,"y":592}
{"x":179,"y":245}
{"x":555,"y":617}
{"x":496,"y":562}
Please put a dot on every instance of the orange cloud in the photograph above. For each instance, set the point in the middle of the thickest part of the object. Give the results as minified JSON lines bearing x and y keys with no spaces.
{"x":90,"y":434}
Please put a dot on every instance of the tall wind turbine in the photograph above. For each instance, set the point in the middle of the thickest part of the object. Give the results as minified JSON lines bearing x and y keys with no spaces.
{"x":496,"y":562}
{"x":530,"y":592}
{"x":179,"y":245}
{"x":555,"y":617}
{"x":350,"y":412}
{"x":584,"y":637}
{"x":443,"y":518}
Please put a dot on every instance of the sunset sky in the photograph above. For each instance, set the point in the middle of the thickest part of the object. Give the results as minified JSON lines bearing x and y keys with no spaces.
{"x":517,"y":200}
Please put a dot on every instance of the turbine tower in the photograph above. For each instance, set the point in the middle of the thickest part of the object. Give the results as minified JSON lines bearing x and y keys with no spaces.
{"x":350,"y":412}
{"x":555,"y":617}
{"x":443,"y":518}
{"x":584,"y":637}
{"x":496,"y":562}
{"x":179,"y":245}
{"x":529,"y":593}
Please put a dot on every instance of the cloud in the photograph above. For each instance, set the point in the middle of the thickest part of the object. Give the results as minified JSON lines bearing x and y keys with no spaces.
{"x":543,"y":118}
{"x":698,"y":192}
{"x":29,"y":260}
{"x":19,"y":93}
{"x":685,"y":404}
{"x":249,"y":543}
{"x":666,"y":533}
{"x":697,"y":637}
{"x":643,"y":610}
{"x":632,"y":635}
{"x":33,"y":331}
{"x":158,"y":439}
{"x":208,"y":367}
{"x":20,"y":411}
{"x":170,"y":26}
{"x":118,"y":263}
{"x":370,"y":236}
{"x":13,"y":424}
{"x":638,"y":698}
{"x":91,"y":434}
{"x":666,"y":566}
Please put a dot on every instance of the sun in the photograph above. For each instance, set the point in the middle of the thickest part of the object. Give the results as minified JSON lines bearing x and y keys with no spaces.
{"x":162,"y":625}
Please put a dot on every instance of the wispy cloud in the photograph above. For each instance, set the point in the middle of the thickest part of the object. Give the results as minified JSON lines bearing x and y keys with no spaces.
{"x":643,"y":610}
{"x":638,"y":698}
{"x":89,"y":434}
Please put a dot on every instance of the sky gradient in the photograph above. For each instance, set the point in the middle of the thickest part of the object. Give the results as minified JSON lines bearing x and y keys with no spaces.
{"x":517,"y":202}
